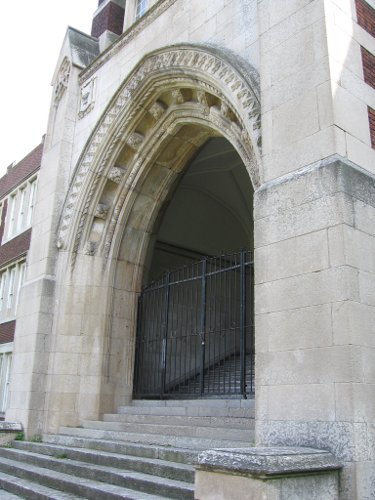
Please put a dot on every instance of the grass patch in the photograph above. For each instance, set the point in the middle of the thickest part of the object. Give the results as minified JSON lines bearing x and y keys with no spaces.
{"x":20,"y":436}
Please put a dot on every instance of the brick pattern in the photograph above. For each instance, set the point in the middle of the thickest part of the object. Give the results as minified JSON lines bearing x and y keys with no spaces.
{"x":110,"y":18}
{"x":7,"y":331}
{"x":365,"y":16}
{"x":371,"y":119}
{"x":15,"y":248}
{"x":22,"y":170}
{"x":368,"y":62}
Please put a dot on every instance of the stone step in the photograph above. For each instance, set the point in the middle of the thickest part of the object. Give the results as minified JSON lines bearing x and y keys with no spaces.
{"x":205,"y":432}
{"x":16,"y":488}
{"x":206,"y":402}
{"x":181,"y":420}
{"x":153,"y":466}
{"x":170,"y":453}
{"x":74,"y":485}
{"x":189,"y":410}
{"x":243,"y":438}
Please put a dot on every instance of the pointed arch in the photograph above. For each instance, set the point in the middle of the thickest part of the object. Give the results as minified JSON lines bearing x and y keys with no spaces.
{"x":169,"y":90}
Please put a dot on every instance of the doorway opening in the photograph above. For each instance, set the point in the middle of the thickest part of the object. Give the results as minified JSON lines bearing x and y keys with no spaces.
{"x":195,"y":313}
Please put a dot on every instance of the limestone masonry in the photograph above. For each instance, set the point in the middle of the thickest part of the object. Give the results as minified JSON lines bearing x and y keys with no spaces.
{"x":204,"y":227}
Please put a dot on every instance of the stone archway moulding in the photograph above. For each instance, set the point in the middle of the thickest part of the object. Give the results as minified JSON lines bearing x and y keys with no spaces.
{"x":204,"y":84}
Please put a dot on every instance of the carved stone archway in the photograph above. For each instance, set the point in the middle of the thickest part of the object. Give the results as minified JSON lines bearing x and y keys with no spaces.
{"x":173,"y":101}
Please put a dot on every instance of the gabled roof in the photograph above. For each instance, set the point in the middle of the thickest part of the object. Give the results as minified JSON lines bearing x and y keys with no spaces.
{"x":21,"y":170}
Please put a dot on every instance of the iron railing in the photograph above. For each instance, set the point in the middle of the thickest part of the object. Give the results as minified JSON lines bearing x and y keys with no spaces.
{"x":195,"y":331}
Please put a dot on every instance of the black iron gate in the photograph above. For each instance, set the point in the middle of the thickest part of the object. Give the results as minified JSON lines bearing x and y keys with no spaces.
{"x":195,"y":331}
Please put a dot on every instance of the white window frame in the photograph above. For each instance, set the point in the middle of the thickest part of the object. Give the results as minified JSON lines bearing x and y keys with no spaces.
{"x":21,"y":202}
{"x":21,"y":279}
{"x":6,"y":356}
{"x":32,"y":194}
{"x":12,"y":214}
{"x":11,"y":284}
{"x":12,"y":278}
{"x":141,"y":8}
{"x":21,"y":209}
{"x":3,"y":280}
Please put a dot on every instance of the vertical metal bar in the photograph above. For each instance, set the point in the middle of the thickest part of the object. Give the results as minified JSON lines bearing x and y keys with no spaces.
{"x":165,"y":343}
{"x":203,"y":324}
{"x":251,"y":319}
{"x":242,"y":324}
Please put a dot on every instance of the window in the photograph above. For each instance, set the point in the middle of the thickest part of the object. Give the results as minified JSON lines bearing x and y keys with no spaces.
{"x":12,"y":214}
{"x":31,"y":202}
{"x":12,"y":275}
{"x":2,"y":289}
{"x":5,"y":366}
{"x":141,"y":8}
{"x":21,"y":207}
{"x":11,"y":281}
{"x":21,"y":212}
{"x":21,"y":279}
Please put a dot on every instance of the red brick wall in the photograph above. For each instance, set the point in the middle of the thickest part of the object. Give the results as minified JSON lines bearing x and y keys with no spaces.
{"x":365,"y":16}
{"x":110,"y":18}
{"x":7,"y":331}
{"x":22,"y":170}
{"x":368,"y":61}
{"x":15,"y":248}
{"x":371,"y":118}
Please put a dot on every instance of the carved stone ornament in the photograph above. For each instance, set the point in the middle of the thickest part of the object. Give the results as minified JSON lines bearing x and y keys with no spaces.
{"x":87,"y":100}
{"x":135,"y":140}
{"x":116,"y":174}
{"x":157,"y":109}
{"x":62,"y":81}
{"x":91,"y":247}
{"x":178,"y":98}
{"x":215,"y":71}
{"x":101,"y":211}
{"x":202,"y":98}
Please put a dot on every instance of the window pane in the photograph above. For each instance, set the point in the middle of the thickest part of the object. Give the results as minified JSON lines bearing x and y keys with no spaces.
{"x":141,"y":8}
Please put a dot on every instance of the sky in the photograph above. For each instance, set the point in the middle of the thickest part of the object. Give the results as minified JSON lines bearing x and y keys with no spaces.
{"x":31,"y":35}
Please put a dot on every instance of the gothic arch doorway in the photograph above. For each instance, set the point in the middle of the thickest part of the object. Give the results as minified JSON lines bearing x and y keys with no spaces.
{"x":173,"y":102}
{"x":195,"y":315}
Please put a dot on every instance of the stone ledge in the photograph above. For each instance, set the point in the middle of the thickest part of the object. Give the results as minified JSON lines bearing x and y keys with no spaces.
{"x":267,"y":461}
{"x":10,"y":427}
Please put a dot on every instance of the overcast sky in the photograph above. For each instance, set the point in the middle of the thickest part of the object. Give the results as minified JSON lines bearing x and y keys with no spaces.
{"x":31,"y":35}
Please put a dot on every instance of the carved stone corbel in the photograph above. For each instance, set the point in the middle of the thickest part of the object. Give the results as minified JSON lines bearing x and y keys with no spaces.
{"x":134,"y":140}
{"x":116,"y":174}
{"x":177,"y":96}
{"x":101,"y":211}
{"x":157,"y":109}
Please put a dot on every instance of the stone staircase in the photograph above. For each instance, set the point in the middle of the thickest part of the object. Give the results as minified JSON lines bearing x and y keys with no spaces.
{"x":146,"y":451}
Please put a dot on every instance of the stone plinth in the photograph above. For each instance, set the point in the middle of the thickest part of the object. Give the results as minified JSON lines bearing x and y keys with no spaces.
{"x":271,"y":473}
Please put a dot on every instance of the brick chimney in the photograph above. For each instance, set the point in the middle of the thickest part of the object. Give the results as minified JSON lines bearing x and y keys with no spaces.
{"x":108,"y":21}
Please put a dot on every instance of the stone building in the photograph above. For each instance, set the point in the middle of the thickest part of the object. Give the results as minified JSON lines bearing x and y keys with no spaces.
{"x":182,"y":129}
{"x":17,"y":200}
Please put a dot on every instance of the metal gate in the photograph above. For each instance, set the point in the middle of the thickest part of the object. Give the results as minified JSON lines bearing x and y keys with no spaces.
{"x":195,"y":331}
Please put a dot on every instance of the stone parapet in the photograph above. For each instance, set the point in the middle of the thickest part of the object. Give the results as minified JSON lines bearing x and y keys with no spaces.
{"x":272,"y":473}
